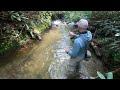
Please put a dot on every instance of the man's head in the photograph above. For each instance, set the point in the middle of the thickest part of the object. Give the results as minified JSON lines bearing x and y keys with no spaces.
{"x":82,"y":25}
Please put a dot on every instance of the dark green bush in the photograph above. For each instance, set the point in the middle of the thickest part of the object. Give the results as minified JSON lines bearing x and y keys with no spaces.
{"x":107,"y":24}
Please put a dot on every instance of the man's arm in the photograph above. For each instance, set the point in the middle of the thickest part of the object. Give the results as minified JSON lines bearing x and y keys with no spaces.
{"x":76,"y":48}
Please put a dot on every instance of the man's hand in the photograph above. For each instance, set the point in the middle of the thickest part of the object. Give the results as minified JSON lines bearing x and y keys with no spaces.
{"x":72,"y":34}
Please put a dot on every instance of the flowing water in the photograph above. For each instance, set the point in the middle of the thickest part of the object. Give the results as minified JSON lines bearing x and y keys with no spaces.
{"x":32,"y":63}
{"x":45,"y":60}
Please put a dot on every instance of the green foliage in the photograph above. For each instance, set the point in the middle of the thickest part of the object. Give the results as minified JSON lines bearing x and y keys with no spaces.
{"x":6,"y":46}
{"x":109,"y":75}
{"x":18,"y":16}
{"x":106,"y":40}
{"x":18,"y":26}
{"x":100,"y":75}
{"x":74,"y":16}
{"x":106,"y":22}
{"x":117,"y":56}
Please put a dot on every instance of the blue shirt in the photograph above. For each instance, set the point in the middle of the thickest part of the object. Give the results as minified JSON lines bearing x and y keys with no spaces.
{"x":80,"y":45}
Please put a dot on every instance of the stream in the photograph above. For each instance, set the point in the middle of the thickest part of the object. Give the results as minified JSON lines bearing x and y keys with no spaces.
{"x":47,"y":59}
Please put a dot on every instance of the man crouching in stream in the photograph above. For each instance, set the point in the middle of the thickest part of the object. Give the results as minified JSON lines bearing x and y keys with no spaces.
{"x":81,"y":43}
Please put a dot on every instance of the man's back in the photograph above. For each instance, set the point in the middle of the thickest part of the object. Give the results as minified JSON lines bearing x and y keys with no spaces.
{"x":80,"y":45}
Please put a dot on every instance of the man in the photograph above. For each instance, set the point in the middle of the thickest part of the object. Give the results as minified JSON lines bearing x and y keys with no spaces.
{"x":80,"y":44}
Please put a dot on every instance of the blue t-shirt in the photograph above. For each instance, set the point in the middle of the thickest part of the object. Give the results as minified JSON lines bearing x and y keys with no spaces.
{"x":80,"y":44}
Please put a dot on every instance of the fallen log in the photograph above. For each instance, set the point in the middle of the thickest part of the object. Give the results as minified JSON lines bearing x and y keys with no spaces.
{"x":100,"y":54}
{"x":96,"y":49}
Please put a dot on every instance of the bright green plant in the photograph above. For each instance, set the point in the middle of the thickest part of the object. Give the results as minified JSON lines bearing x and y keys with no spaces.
{"x":109,"y":75}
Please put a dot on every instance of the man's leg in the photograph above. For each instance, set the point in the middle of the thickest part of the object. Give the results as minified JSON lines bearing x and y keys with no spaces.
{"x":73,"y":64}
